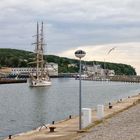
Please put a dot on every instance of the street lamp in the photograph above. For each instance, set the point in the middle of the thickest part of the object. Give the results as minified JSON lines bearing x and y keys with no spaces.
{"x":80,"y":54}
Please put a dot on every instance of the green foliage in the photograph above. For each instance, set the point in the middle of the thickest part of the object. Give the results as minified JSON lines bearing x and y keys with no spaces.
{"x":21,"y":58}
{"x":15,"y":58}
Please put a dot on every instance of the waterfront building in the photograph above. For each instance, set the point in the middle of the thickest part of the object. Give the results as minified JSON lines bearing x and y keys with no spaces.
{"x":97,"y":70}
{"x":72,"y":65}
{"x":111,"y":73}
{"x":51,"y":68}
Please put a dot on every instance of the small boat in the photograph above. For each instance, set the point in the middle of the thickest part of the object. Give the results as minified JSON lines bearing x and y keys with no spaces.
{"x":41,"y":76}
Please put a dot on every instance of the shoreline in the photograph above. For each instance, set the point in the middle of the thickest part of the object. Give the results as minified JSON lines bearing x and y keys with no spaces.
{"x":68,"y":128}
{"x":12,"y":80}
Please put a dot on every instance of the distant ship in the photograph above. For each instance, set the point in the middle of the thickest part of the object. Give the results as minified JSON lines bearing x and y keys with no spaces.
{"x":41,"y":77}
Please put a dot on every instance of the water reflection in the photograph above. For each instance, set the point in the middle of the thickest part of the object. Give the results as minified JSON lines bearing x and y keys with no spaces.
{"x":40,"y":101}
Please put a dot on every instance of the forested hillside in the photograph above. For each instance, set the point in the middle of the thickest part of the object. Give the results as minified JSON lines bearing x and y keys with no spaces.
{"x":21,"y":58}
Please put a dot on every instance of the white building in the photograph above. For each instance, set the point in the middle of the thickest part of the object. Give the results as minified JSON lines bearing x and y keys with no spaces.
{"x":111,"y":72}
{"x":96,"y":70}
{"x":51,"y":68}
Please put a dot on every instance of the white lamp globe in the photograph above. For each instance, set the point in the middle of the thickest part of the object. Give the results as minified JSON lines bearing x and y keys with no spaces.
{"x":80,"y":53}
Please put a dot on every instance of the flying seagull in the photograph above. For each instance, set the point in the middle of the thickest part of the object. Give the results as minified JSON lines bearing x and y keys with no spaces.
{"x":111,"y":50}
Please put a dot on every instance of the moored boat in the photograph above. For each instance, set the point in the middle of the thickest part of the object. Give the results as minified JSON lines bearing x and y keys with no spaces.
{"x":41,"y":78}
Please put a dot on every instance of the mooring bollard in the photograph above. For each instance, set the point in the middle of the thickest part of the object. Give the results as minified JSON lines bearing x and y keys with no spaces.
{"x":110,"y":106}
{"x":10,"y":136}
{"x":52,"y":128}
{"x":69,"y":116}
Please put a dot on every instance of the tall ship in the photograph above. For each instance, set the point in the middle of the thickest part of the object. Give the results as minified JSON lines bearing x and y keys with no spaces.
{"x":40,"y":77}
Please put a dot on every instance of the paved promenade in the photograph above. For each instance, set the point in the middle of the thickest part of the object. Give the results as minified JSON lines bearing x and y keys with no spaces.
{"x":116,"y":126}
{"x":123,"y":126}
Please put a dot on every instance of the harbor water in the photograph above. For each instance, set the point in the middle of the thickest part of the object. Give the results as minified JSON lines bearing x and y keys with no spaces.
{"x":23,"y":108}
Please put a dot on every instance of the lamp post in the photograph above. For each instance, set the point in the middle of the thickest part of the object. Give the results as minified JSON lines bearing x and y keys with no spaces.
{"x":80,"y":54}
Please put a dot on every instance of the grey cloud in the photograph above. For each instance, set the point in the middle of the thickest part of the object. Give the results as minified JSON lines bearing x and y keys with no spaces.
{"x":69,"y":23}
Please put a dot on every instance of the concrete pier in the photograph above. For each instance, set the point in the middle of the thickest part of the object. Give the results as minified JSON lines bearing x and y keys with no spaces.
{"x":67,"y":129}
{"x":124,"y":78}
{"x":116,"y":78}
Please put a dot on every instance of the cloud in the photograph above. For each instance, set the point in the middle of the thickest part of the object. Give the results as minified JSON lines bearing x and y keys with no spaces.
{"x":93,"y":24}
{"x":127,"y":53}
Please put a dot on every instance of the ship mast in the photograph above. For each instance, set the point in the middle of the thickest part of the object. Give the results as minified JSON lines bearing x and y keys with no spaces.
{"x":42,"y":52}
{"x":37,"y":51}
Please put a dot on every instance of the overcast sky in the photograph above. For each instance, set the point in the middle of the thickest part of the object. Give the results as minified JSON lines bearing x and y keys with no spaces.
{"x":92,"y":25}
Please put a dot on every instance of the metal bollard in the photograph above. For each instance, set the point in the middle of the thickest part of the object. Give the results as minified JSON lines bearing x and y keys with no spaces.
{"x":69,"y":116}
{"x":10,"y":136}
{"x":110,"y":106}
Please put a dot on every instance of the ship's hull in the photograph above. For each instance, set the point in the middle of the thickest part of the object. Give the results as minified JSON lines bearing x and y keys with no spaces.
{"x":40,"y":83}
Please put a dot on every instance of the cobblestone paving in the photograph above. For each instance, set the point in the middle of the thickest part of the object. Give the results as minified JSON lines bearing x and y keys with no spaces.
{"x":124,"y":126}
